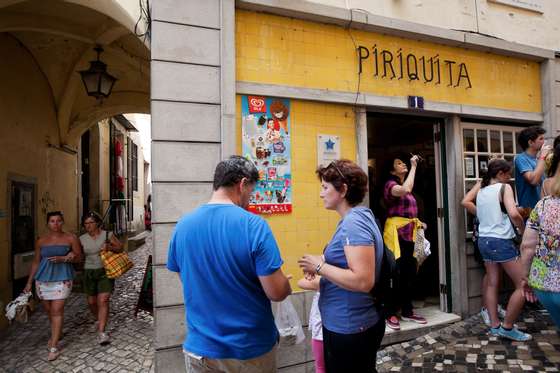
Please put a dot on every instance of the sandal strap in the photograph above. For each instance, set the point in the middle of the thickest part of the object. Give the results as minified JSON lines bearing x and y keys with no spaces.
{"x":53,"y":350}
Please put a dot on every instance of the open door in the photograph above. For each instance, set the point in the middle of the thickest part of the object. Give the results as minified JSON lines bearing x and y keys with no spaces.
{"x":439,"y":147}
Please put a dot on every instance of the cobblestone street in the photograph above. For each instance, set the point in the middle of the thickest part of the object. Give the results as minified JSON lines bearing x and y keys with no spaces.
{"x":24,"y":346}
{"x":466,"y":347}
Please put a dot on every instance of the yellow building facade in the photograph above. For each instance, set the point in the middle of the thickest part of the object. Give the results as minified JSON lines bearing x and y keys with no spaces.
{"x":294,"y":56}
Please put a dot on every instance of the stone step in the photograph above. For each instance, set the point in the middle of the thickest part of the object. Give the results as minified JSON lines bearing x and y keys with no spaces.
{"x":138,"y":240}
{"x":411,"y":330}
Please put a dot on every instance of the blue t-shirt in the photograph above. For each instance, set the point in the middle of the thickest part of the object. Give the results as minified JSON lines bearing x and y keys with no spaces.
{"x":527,"y":195}
{"x":219,"y":251}
{"x":344,"y":311}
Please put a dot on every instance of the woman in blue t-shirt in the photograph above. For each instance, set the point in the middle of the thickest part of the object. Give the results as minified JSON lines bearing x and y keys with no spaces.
{"x":53,"y":274}
{"x":352,"y":326}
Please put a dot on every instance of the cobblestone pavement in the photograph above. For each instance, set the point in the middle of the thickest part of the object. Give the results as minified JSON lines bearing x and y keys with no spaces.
{"x":24,"y":346}
{"x":467,"y":347}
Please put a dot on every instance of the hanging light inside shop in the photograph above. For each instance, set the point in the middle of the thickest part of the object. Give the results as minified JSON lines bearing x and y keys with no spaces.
{"x":97,"y":81}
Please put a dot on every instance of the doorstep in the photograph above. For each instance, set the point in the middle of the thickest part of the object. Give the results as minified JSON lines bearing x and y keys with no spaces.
{"x":410,"y":330}
{"x":137,"y":240}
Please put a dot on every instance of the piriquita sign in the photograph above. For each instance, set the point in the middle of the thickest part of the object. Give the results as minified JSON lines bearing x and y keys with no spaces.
{"x":280,"y":51}
{"x":402,"y":65}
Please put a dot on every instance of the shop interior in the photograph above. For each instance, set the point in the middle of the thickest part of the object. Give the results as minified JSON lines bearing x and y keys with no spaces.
{"x":392,"y":135}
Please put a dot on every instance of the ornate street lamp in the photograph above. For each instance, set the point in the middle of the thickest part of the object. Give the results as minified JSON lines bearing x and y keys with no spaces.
{"x":97,"y":81}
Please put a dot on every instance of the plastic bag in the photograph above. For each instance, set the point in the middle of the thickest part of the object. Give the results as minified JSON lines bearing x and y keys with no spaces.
{"x":19,"y":309}
{"x":288,"y":323}
{"x":421,"y":247}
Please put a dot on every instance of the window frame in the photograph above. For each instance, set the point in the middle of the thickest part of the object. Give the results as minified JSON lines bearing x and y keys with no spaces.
{"x":514,"y":130}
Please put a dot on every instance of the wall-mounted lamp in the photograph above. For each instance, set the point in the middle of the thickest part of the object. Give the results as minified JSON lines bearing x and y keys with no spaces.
{"x":97,"y":81}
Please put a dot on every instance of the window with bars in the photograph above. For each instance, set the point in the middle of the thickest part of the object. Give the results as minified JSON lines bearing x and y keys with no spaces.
{"x":479,"y":144}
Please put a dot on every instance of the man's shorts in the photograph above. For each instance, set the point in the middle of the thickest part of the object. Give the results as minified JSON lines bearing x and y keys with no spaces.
{"x":96,"y":282}
{"x":497,"y":250}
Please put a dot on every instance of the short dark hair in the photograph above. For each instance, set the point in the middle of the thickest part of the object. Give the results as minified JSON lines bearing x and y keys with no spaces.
{"x":230,"y":172}
{"x":529,"y":133}
{"x":92,"y":215}
{"x":344,"y":171}
{"x":50,"y":214}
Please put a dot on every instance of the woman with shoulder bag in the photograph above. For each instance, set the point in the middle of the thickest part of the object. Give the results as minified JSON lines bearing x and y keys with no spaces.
{"x":97,"y":285}
{"x":496,"y":234}
{"x":352,"y":325}
{"x":53,"y":274}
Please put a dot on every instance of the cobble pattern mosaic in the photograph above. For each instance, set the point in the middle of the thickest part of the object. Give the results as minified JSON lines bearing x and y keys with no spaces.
{"x":23,"y":347}
{"x":466,"y":346}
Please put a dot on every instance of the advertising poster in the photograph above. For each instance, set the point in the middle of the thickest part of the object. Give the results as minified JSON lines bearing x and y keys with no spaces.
{"x":266,"y":141}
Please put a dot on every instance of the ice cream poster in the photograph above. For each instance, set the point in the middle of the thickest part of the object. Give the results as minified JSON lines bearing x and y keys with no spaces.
{"x":266,"y":142}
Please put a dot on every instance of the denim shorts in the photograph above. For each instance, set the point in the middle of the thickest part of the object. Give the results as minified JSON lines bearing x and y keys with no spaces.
{"x":497,"y":250}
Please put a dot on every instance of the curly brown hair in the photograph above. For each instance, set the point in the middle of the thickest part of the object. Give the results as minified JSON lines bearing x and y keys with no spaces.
{"x":342,"y":172}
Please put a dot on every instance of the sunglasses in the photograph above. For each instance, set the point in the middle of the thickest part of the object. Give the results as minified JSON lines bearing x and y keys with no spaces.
{"x":333,"y":165}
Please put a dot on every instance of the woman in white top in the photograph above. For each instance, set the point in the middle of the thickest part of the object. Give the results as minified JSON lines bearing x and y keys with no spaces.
{"x":496,"y":245}
{"x":97,"y":286}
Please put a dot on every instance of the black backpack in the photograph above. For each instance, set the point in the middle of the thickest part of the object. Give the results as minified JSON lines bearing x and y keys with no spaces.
{"x":384,"y":289}
{"x":385,"y":286}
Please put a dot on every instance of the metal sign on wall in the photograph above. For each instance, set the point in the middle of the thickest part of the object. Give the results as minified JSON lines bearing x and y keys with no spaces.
{"x":328,"y":149}
{"x":533,"y":5}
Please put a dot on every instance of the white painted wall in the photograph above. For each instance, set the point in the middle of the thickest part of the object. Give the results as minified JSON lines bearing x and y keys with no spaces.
{"x":501,"y":21}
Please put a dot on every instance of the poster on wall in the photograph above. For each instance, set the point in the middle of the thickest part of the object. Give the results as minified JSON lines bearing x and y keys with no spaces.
{"x":265,"y":131}
{"x":328,"y":149}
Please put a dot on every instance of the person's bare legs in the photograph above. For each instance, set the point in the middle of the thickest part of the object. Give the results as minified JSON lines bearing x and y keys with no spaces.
{"x":92,"y":304}
{"x":102,"y":310}
{"x":491,"y":293}
{"x":514,"y":270}
{"x":57,"y":318}
{"x":484,"y":287}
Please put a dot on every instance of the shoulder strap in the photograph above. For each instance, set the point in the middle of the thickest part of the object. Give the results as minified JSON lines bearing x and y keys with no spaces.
{"x":502,"y":205}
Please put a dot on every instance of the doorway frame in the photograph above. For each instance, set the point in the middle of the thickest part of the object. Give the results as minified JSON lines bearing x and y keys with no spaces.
{"x":18,"y":178}
{"x":440,"y":151}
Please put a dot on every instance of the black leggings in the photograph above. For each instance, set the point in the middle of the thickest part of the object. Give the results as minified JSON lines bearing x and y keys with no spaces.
{"x":407,"y":268}
{"x":355,"y":353}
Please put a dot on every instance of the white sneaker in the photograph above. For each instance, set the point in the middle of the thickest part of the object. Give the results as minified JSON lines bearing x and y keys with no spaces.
{"x":485,"y":316}
{"x":103,"y":339}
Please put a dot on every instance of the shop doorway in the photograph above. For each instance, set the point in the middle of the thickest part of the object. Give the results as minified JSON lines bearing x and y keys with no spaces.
{"x":391,"y":135}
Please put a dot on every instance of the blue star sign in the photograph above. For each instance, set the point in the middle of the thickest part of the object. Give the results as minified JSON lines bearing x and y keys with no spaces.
{"x":330,"y":144}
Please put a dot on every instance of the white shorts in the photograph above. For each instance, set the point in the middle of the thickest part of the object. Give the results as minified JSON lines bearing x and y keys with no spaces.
{"x":53,"y":290}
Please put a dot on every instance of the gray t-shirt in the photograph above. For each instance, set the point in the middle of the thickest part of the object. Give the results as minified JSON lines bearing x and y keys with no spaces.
{"x":92,"y":247}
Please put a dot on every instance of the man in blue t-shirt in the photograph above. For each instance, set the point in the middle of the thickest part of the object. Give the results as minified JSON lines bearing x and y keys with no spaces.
{"x":529,"y":166}
{"x":229,"y":264}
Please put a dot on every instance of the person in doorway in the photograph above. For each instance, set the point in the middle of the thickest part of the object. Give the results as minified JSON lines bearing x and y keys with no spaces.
{"x":230,"y":267}
{"x":53,"y":274}
{"x":402,"y":215}
{"x":315,"y":323}
{"x":529,"y":167}
{"x":496,"y":245}
{"x":469,"y":203}
{"x":97,"y":286}
{"x":352,"y":326}
{"x":540,"y":253}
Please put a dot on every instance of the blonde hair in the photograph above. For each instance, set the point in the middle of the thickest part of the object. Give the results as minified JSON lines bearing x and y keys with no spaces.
{"x":555,"y":188}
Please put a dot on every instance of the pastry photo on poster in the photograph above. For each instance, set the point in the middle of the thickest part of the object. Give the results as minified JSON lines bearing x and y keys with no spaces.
{"x":265,"y":131}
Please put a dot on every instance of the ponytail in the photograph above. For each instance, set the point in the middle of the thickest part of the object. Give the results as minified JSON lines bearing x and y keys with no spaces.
{"x":495,"y":166}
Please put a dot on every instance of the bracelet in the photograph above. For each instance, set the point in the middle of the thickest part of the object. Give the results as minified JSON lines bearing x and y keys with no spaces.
{"x":319,"y":266}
